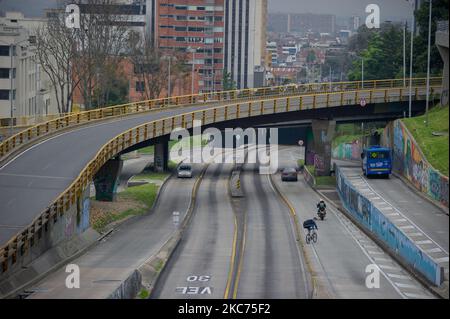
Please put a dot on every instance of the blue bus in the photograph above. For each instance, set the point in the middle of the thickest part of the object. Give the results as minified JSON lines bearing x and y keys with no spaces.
{"x":376,"y":160}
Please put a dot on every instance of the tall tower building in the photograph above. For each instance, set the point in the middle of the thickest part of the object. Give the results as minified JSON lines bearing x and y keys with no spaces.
{"x":193,"y":26}
{"x":245,"y":39}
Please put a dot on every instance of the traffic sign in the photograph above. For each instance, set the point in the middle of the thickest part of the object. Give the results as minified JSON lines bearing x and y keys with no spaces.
{"x":362,"y":101}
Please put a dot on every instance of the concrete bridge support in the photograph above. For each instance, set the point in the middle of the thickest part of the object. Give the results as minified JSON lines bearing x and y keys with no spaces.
{"x":323,"y":132}
{"x":442,"y":45}
{"x":161,"y":156}
{"x":107,"y":179}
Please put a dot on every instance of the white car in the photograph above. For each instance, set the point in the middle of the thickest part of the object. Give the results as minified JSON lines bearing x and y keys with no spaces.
{"x":184,"y":171}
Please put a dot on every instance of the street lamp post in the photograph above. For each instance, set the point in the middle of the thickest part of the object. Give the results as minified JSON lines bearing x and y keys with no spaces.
{"x":362,"y":73}
{"x":411,"y":64}
{"x":428,"y":63}
{"x":169,"y":89}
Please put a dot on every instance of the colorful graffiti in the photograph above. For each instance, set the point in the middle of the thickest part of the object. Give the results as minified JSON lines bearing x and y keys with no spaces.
{"x":348,"y":151}
{"x":367,"y":215}
{"x":409,"y":161}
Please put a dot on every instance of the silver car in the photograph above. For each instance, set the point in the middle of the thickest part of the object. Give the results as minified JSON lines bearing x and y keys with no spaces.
{"x":184,"y":171}
{"x":289,"y":174}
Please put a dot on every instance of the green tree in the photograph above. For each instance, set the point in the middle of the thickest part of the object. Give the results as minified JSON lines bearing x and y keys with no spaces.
{"x":439,"y":12}
{"x":228,"y":83}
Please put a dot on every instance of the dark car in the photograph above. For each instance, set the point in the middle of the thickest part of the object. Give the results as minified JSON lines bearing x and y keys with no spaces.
{"x":289,"y":175}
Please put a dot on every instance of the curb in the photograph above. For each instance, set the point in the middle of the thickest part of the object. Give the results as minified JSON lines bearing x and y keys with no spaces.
{"x":316,"y":286}
{"x":155,"y":265}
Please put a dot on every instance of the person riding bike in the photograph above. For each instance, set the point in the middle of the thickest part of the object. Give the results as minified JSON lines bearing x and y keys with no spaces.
{"x":321,"y":205}
{"x":310,"y":224}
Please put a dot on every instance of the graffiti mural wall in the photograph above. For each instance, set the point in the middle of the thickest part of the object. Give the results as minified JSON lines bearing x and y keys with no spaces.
{"x":409,"y":161}
{"x":367,"y":215}
{"x":348,"y":151}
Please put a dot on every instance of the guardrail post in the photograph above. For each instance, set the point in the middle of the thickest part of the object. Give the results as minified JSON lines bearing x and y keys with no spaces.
{"x":314,"y":101}
{"x":300,"y":103}
{"x":261,"y":107}
{"x":356,"y":97}
{"x":417,"y":93}
{"x":249,"y":109}
{"x":215,"y":115}
{"x":400,"y":91}
{"x":154,"y":129}
{"x":274,"y":106}
{"x":370,"y":96}
{"x":226,"y":113}
{"x":385,"y":96}
{"x":183,"y":121}
{"x":328,"y":99}
{"x":287,"y":104}
{"x":238,"y":110}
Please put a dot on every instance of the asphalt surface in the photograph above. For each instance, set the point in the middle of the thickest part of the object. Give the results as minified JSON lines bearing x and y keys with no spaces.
{"x":342,"y":252}
{"x":425,"y":223}
{"x":112,"y":260}
{"x":42,"y":172}
{"x":199,"y":267}
{"x":272,"y":264}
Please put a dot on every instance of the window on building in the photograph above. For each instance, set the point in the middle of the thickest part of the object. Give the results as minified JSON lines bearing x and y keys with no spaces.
{"x":4,"y":73}
{"x":4,"y":94}
{"x":180,"y":29}
{"x":181,"y":18}
{"x":4,"y":50}
{"x":140,"y":86}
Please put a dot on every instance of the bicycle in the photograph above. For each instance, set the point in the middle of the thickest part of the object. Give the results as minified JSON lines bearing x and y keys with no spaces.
{"x":311,"y":236}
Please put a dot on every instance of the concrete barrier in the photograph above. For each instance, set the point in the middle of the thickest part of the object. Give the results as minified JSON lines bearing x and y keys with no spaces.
{"x":373,"y":220}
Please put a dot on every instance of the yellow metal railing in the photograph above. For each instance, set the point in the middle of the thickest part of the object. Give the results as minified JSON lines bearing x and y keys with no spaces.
{"x":21,"y":242}
{"x":26,"y":136}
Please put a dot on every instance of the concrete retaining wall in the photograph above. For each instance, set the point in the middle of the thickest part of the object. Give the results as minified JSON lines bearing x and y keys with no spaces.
{"x":409,"y":162}
{"x":347,"y":151}
{"x":58,"y":241}
{"x":368,"y":216}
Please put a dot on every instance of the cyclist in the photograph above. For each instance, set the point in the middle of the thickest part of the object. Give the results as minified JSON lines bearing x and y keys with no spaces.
{"x":321,"y":209}
{"x":321,"y":205}
{"x":310,"y":224}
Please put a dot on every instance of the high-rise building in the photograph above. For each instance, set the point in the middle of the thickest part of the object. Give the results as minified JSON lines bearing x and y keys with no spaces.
{"x":195,"y":27}
{"x":221,"y":35}
{"x":245,"y":39}
{"x":25,"y":89}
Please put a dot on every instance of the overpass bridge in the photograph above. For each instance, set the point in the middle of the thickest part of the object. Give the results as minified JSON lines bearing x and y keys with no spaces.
{"x":45,"y":170}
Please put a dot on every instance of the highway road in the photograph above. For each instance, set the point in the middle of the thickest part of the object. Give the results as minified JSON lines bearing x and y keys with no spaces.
{"x":427,"y":224}
{"x":43,"y":171}
{"x":343,"y":252}
{"x":199,"y":267}
{"x":272,"y":263}
{"x":103,"y":267}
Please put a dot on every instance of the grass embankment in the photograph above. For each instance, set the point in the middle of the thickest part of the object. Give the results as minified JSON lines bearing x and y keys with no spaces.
{"x":321,"y":180}
{"x":150,"y":150}
{"x":435,"y":148}
{"x":133,"y":201}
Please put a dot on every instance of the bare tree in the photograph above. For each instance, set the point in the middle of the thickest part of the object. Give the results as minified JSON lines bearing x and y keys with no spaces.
{"x":151,"y":66}
{"x":101,"y":43}
{"x":55,"y":52}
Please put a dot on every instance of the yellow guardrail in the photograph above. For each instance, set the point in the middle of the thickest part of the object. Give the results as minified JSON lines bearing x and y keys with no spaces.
{"x":26,"y":238}
{"x":37,"y":131}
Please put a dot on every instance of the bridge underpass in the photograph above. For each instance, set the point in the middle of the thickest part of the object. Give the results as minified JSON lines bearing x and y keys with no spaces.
{"x":40,"y":178}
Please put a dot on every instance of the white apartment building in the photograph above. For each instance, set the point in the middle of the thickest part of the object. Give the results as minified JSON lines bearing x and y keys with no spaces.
{"x":25,"y":89}
{"x":245,"y":39}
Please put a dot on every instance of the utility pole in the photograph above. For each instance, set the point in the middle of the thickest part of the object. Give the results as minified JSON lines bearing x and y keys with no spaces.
{"x":169,"y":89}
{"x":411,"y":63}
{"x":404,"y":54}
{"x":428,"y":63}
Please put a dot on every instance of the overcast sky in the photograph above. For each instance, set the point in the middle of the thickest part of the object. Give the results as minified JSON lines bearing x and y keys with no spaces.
{"x":389,"y":9}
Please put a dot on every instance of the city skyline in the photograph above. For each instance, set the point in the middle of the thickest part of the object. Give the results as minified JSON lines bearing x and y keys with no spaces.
{"x":395,"y":10}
